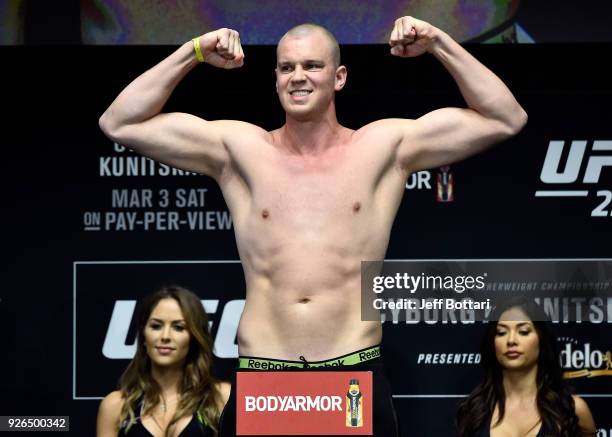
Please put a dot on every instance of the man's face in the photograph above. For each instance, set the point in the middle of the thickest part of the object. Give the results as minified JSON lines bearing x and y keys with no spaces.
{"x":306,"y":77}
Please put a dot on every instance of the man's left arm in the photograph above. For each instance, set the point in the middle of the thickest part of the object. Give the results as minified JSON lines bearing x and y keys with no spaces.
{"x":448,"y":135}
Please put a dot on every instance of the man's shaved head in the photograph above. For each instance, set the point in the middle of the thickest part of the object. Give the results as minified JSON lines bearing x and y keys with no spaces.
{"x":306,"y":29}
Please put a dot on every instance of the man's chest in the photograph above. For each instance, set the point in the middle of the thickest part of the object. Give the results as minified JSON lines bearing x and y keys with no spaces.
{"x":309,"y":195}
{"x":341,"y":183}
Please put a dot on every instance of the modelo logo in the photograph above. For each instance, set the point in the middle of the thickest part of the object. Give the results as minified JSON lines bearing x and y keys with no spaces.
{"x":604,"y":432}
{"x":115,"y":346}
{"x":571,"y":171}
{"x":585,"y":362}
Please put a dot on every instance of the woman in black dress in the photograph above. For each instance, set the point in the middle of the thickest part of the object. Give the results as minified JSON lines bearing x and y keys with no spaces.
{"x":523,"y":393}
{"x":168,"y":389}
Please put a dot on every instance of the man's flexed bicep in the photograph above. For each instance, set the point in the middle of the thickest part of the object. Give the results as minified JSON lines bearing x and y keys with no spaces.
{"x":134,"y":119}
{"x":451,"y":134}
{"x":445,"y":136}
{"x":182,"y":141}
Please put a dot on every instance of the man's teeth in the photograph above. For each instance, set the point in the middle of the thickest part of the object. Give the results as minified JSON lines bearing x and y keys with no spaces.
{"x":300,"y":93}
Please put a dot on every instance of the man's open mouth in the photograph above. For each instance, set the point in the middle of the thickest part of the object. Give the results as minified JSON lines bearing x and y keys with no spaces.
{"x":298,"y":93}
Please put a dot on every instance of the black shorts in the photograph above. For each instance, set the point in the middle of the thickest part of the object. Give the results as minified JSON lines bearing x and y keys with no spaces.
{"x":385,"y":419}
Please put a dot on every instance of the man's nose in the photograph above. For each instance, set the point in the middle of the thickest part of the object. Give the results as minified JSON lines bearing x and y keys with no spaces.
{"x":298,"y":74}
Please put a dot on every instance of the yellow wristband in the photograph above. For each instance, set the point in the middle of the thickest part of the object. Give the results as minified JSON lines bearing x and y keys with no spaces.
{"x":197,"y":49}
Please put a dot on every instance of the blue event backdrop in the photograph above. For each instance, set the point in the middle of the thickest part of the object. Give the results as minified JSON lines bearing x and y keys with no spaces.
{"x":264,"y":21}
{"x":77,"y":260}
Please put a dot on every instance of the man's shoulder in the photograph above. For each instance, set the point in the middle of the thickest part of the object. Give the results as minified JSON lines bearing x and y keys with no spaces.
{"x":237,"y":128}
{"x":384,"y":129}
{"x":383,"y":125}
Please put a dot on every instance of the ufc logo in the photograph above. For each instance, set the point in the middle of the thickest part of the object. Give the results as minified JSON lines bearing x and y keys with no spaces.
{"x":550,"y":171}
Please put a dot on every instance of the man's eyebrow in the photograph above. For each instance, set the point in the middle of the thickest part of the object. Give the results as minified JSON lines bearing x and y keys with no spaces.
{"x":307,"y":61}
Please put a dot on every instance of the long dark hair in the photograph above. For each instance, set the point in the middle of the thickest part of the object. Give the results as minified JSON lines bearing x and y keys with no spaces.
{"x":198,"y":388}
{"x":554,"y":400}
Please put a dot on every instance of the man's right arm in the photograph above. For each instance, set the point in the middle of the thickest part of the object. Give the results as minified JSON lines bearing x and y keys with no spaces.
{"x":180,"y":140}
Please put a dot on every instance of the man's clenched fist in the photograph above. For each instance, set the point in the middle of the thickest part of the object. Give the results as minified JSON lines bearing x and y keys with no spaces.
{"x":222,"y":48}
{"x":411,"y":37}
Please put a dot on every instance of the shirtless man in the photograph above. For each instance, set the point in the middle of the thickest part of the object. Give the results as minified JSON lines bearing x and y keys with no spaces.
{"x":311,"y":199}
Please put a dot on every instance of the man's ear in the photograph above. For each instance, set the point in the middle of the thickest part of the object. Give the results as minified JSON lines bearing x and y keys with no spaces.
{"x":340,"y":80}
